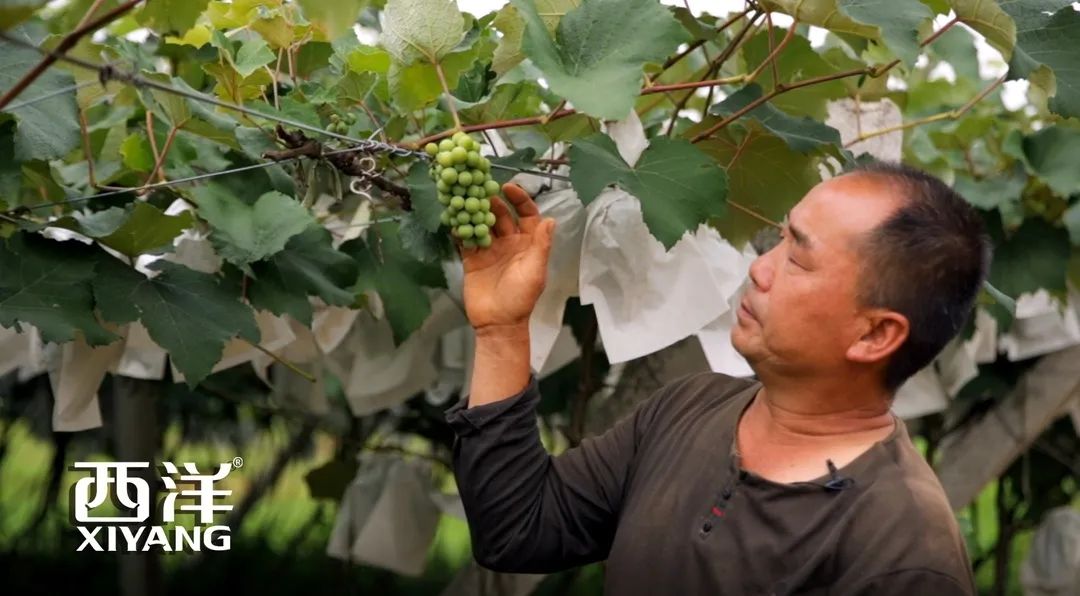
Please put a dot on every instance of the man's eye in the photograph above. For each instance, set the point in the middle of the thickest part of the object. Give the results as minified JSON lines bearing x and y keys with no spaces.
{"x":793,"y":261}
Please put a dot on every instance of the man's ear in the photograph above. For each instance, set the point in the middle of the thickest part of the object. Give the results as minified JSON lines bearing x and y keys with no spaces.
{"x":884,"y":332}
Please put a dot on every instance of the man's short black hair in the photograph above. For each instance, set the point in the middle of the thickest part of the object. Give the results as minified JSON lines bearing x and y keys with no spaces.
{"x":927,"y":261}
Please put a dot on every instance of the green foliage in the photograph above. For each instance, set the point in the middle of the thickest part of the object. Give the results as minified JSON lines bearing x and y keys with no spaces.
{"x":1046,"y":50}
{"x":398,"y":278}
{"x":679,"y":186}
{"x":277,"y":227}
{"x":801,"y":134}
{"x":189,"y":313}
{"x":47,"y":284}
{"x":596,"y":57}
{"x":247,"y":232}
{"x":898,"y":20}
{"x":307,"y":266}
{"x":45,"y":129}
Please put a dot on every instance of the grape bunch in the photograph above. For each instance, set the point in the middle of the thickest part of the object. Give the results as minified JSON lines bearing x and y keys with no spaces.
{"x":340,"y":124}
{"x":465,"y":187}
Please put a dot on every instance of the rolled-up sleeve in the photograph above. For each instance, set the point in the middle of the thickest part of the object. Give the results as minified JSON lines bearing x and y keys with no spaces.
{"x":529,"y":512}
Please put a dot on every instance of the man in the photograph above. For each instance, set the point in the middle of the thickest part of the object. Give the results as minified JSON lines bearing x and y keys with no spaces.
{"x":801,"y":481}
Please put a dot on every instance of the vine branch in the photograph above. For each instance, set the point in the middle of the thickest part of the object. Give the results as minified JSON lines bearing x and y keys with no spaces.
{"x":66,"y":44}
{"x":949,"y":115}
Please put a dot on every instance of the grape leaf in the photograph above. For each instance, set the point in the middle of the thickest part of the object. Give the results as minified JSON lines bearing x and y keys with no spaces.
{"x":171,"y":16}
{"x":308,"y":266}
{"x":46,"y":129}
{"x":13,"y":12}
{"x":1034,"y":257}
{"x":398,"y":278}
{"x":764,"y":174}
{"x":252,"y":55}
{"x":425,"y":201}
{"x":47,"y":284}
{"x":1046,"y":51}
{"x":139,"y":229}
{"x":244,"y":233}
{"x":416,"y":85}
{"x":332,"y":19}
{"x":510,"y":100}
{"x":189,"y":313}
{"x":146,"y":230}
{"x":602,"y":45}
{"x":987,"y":17}
{"x":823,"y":13}
{"x":508,"y":53}
{"x":678,"y":186}
{"x":423,"y":245}
{"x":801,"y":134}
{"x":995,"y":192}
{"x":898,"y":20}
{"x":415,"y":29}
{"x":1051,"y":153}
{"x":509,"y":23}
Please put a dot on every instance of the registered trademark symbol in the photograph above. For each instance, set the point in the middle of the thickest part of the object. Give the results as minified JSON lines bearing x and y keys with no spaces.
{"x":237,"y":462}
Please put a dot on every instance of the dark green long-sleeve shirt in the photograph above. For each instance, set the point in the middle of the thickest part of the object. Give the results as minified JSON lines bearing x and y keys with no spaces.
{"x":662,"y":498}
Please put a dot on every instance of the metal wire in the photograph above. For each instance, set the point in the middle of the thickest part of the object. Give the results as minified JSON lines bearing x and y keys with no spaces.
{"x":107,"y":72}
{"x":168,"y":183}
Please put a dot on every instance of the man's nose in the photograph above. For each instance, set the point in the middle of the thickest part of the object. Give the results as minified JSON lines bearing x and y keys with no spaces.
{"x":761,"y":272}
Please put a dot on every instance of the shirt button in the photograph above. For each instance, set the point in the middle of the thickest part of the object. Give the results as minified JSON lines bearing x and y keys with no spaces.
{"x":726,"y":494}
{"x":706,"y":526}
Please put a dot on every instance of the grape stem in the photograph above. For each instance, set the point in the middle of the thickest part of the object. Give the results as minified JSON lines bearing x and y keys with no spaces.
{"x":449,"y":96}
{"x":949,"y":115}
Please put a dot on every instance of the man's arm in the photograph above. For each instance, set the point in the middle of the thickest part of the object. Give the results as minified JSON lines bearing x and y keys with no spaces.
{"x":529,"y":512}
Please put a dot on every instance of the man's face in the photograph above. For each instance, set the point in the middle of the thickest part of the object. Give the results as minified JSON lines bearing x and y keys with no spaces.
{"x":803,"y":314}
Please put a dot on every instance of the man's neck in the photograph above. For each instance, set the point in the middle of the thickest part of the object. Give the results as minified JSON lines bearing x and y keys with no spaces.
{"x":789,"y":430}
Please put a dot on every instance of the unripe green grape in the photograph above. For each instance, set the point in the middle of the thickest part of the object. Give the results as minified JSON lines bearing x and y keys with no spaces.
{"x":473,"y":159}
{"x":465,"y":231}
{"x":459,"y":190}
{"x":485,"y":205}
{"x":445,"y":158}
{"x":464,"y":178}
{"x":491,"y":187}
{"x":472,"y":204}
{"x":442,"y":186}
{"x":469,"y":243}
{"x":446,"y":145}
{"x":458,"y":136}
{"x":444,"y":199}
{"x":484,"y":241}
{"x":438,"y":169}
{"x":444,"y":218}
{"x":478,"y":218}
{"x":481,"y":230}
{"x":449,"y":175}
{"x":459,"y":154}
{"x":485,"y":164}
{"x":431,"y":149}
{"x":490,"y":219}
{"x":475,"y":191}
{"x":478,"y":176}
{"x":457,"y":202}
{"x":475,"y":145}
{"x":463,"y":217}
